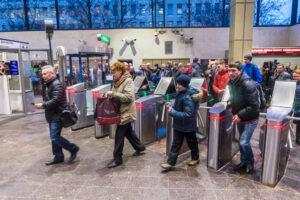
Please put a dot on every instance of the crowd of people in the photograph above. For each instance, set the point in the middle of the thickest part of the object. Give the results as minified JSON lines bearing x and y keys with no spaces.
{"x":243,"y":81}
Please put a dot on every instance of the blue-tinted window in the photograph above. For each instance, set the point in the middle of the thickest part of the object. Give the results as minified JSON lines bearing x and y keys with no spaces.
{"x":298,"y":13}
{"x":275,"y":12}
{"x":137,"y":11}
{"x":170,"y":9}
{"x":255,"y":13}
{"x":206,"y":13}
{"x":159,"y":13}
{"x":180,"y":14}
{"x":179,"y":9}
{"x":179,"y":23}
{"x":12,"y":16}
{"x":105,"y":13}
{"x":38,"y":11}
{"x":227,"y":13}
{"x":170,"y":23}
{"x":73,"y":14}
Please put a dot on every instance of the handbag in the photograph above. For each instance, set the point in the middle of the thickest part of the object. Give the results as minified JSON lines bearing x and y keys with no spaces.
{"x":69,"y":115}
{"x":107,"y":111}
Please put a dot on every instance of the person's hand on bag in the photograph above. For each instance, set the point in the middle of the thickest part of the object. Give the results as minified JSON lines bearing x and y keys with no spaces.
{"x":38,"y":106}
{"x":236,"y":119}
{"x":108,"y":94}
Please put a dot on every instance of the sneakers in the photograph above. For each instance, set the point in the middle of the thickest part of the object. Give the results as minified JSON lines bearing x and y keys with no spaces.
{"x":193,"y":163}
{"x":240,"y":167}
{"x":250,"y":168}
{"x":167,"y":166}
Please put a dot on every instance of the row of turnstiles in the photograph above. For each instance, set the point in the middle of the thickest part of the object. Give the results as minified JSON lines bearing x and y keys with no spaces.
{"x":153,"y":122}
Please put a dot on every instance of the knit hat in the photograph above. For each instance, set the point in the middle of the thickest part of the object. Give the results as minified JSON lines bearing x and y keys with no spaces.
{"x":184,"y":80}
{"x":248,"y":56}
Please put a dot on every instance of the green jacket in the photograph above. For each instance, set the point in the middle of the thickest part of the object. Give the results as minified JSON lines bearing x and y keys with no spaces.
{"x":123,"y":90}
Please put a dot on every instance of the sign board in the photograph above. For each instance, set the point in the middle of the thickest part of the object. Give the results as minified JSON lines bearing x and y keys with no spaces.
{"x":276,"y":51}
{"x":13,"y":44}
{"x":14,"y":69}
{"x":103,"y":38}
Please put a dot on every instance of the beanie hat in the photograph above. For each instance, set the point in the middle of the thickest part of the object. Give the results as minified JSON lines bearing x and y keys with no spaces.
{"x":184,"y":80}
{"x":248,"y":56}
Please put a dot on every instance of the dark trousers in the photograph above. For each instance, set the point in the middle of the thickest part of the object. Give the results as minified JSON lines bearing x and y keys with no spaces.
{"x":58,"y":142}
{"x":177,"y":143}
{"x":122,"y":132}
{"x":298,"y":132}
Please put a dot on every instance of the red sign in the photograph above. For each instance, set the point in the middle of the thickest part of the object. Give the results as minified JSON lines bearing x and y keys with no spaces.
{"x":276,"y":51}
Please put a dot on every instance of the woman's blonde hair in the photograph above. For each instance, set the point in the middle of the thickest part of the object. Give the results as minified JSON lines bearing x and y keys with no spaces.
{"x":118,"y":66}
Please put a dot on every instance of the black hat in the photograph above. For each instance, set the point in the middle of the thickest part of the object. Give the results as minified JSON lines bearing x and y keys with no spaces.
{"x":248,"y":56}
{"x":184,"y":80}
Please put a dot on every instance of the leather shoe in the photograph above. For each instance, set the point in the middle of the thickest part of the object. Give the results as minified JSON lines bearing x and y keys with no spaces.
{"x":250,"y":168}
{"x":73,"y":155}
{"x":137,"y":153}
{"x":54,"y":161}
{"x":239,"y":167}
{"x":114,"y":163}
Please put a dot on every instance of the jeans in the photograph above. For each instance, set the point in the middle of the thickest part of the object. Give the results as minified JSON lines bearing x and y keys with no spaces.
{"x":177,"y":143}
{"x":246,"y":130}
{"x":58,"y":142}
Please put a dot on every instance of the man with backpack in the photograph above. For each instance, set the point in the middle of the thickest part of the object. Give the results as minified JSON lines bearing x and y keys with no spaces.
{"x":244,"y":102}
{"x":251,"y":69}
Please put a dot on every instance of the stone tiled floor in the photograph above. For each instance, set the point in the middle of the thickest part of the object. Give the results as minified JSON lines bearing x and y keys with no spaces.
{"x":25,"y":146}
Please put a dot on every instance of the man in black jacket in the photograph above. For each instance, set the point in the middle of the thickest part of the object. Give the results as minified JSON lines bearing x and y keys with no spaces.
{"x":245,"y":109}
{"x":56,"y":100}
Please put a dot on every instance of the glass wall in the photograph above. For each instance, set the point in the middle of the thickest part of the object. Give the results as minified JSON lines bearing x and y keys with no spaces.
{"x":38,"y":11}
{"x":18,"y":15}
{"x":177,"y":13}
{"x":275,"y":12}
{"x":73,"y":14}
{"x":12,"y":17}
{"x":105,"y":14}
{"x":207,"y":13}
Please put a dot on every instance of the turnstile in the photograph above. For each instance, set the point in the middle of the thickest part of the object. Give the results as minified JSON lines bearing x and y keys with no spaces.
{"x":275,"y":148}
{"x":78,"y":95}
{"x":220,"y":138}
{"x":100,"y":130}
{"x":145,"y":126}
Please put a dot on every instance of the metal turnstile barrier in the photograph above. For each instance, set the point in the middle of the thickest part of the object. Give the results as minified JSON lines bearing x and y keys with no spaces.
{"x":275,"y":148}
{"x":145,"y":126}
{"x":77,"y":94}
{"x":220,"y":138}
{"x":100,"y":131}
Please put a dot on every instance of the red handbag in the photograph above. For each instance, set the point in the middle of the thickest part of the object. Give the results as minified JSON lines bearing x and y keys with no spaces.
{"x":107,"y":111}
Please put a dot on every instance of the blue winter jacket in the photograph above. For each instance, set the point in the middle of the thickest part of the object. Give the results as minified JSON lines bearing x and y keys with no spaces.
{"x":248,"y":70}
{"x":184,"y":111}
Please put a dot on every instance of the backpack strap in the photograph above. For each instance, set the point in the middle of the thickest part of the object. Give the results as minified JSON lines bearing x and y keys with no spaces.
{"x":253,"y":75}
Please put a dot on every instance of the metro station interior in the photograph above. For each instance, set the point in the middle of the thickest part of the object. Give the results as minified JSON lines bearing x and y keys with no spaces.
{"x":168,"y":48}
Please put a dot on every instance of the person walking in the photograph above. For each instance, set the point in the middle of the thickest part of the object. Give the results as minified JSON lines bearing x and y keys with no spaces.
{"x":123,"y":91}
{"x":53,"y":105}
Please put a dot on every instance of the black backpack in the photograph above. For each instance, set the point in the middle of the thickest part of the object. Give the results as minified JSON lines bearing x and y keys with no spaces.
{"x":261,"y":94}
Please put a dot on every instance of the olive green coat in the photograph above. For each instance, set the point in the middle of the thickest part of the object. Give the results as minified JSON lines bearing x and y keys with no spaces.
{"x":123,"y":90}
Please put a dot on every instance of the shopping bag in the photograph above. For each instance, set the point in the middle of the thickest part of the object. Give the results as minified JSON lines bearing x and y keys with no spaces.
{"x":107,"y":111}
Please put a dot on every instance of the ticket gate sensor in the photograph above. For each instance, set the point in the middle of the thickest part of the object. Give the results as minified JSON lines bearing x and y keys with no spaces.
{"x":140,"y":81}
{"x":275,"y":150}
{"x":78,"y":95}
{"x":100,"y":130}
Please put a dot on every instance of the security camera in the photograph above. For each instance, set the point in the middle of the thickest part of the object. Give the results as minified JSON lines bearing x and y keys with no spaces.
{"x":155,"y":34}
{"x":191,"y":38}
{"x":181,"y":34}
{"x":134,"y":39}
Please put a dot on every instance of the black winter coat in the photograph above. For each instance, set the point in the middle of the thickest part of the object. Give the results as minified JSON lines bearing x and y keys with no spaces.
{"x":55,"y":101}
{"x":244,"y":98}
